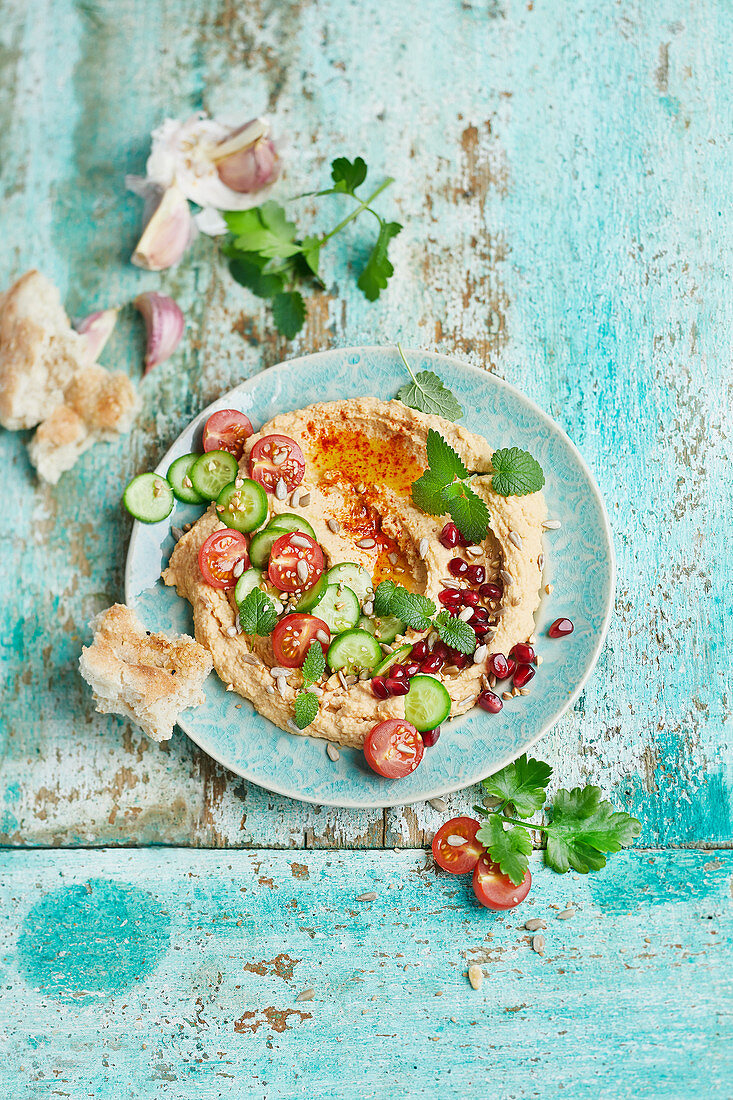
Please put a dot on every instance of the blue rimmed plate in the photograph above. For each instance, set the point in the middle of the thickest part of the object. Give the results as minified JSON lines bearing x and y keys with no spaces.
{"x":579,"y":556}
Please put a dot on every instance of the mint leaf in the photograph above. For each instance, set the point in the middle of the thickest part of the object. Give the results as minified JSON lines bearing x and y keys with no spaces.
{"x":288,"y":312}
{"x":469,"y":513}
{"x":306,"y":708}
{"x":347,"y":175}
{"x":257,"y":614}
{"x":516,"y":473}
{"x":247,"y":270}
{"x":412,"y":608}
{"x":427,"y":394}
{"x":521,"y":784}
{"x":427,"y":494}
{"x":583,"y":828}
{"x":378,"y":271}
{"x":442,"y":459}
{"x":314,"y":664}
{"x":510,"y":848}
{"x":383,"y":597}
{"x":455,"y":633}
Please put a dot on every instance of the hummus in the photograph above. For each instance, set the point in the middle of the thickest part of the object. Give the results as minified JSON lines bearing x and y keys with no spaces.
{"x":362,"y":456}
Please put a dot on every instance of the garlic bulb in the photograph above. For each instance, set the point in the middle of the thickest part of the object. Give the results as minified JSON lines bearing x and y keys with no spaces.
{"x":97,"y":328}
{"x":167,"y":234}
{"x":164,"y":324}
{"x":247,"y":161}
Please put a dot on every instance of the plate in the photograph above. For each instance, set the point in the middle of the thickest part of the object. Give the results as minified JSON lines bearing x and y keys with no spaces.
{"x":580,"y":564}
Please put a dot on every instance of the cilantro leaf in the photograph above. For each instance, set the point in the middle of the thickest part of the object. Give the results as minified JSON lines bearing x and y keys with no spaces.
{"x":288,"y":312}
{"x":516,"y":473}
{"x":522,"y":784}
{"x":383,"y":597}
{"x":312,"y":253}
{"x":314,"y":664}
{"x":510,"y":848}
{"x":583,"y":828}
{"x":306,"y":708}
{"x":257,"y":614}
{"x":378,"y":271}
{"x":469,"y":513}
{"x":348,"y":175}
{"x":455,"y":633}
{"x":247,"y":270}
{"x":427,"y":494}
{"x":412,"y":608}
{"x":442,"y":459}
{"x":427,"y":394}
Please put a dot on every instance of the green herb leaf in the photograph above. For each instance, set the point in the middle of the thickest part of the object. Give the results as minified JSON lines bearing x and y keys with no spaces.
{"x":265,"y":230}
{"x":257,"y":614}
{"x":314,"y":664}
{"x":383,"y":597}
{"x":521,"y":784}
{"x":469,"y":513}
{"x":442,"y":459}
{"x":583,"y":827}
{"x":412,"y":608}
{"x":306,"y":708}
{"x":247,"y":270}
{"x":312,"y":253}
{"x":427,"y":494}
{"x":347,"y":175}
{"x":455,"y":633}
{"x":516,"y":473}
{"x":378,"y":271}
{"x":288,"y":312}
{"x":427,"y":394}
{"x":510,"y":848}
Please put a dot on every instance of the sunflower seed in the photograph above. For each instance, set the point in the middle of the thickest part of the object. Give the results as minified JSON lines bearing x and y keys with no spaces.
{"x":231,"y":631}
{"x":566,"y":914}
{"x":306,"y":995}
{"x":466,"y":614}
{"x":302,"y":570}
{"x":516,"y":539}
{"x":538,"y":944}
{"x":393,"y":558}
{"x":238,"y":568}
{"x":334,"y":525}
{"x":276,"y":671}
{"x":361,"y":487}
{"x":279,"y":457}
{"x":332,"y":752}
{"x":455,"y":841}
{"x":474,"y":551}
{"x":534,"y":925}
{"x":177,"y":533}
{"x":315,"y":690}
{"x":480,"y":653}
{"x":466,"y":701}
{"x":365,"y":675}
{"x":304,"y":501}
{"x":552,"y":525}
{"x":385,"y":647}
{"x":506,"y":577}
{"x":301,"y":541}
{"x":366,"y":544}
{"x":342,"y":680}
{"x":278,"y":605}
{"x":371,"y":895}
{"x":249,"y":659}
{"x":294,"y":726}
{"x":422,"y":547}
{"x":321,"y":636}
{"x":280,"y":489}
{"x":269,"y":689}
{"x":438,"y":804}
{"x":541,"y":562}
{"x":281,"y":685}
{"x":475,"y":976}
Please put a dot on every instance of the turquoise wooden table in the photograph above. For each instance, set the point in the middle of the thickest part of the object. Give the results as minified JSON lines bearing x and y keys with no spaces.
{"x":562,"y":170}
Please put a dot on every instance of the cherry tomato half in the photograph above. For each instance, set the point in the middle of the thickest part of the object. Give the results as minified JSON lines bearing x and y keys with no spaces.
{"x":393,"y":748}
{"x":227,"y":430}
{"x":292,"y":637}
{"x":285,"y":570}
{"x":218,"y":556}
{"x":457,"y":858}
{"x":495,"y":890}
{"x":276,"y":457}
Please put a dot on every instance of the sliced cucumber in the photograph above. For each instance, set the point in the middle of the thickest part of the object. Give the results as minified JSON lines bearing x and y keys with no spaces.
{"x":179,"y":478}
{"x":243,"y":508}
{"x":211,"y":472}
{"x":340,"y":610}
{"x":313,"y":596}
{"x":250,"y":579}
{"x":288,"y":521}
{"x":351,"y":576}
{"x":427,"y":703}
{"x":149,"y":498}
{"x":384,"y":629}
{"x":395,"y":658}
{"x":354,"y":651}
{"x":261,"y":545}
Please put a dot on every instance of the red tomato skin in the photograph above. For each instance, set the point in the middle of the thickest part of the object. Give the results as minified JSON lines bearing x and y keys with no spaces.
{"x":236,"y":550}
{"x":382,"y":748}
{"x":495,"y":890}
{"x":263,"y":470}
{"x":283,"y":575}
{"x":306,"y":625}
{"x":227,"y":430}
{"x":455,"y":860}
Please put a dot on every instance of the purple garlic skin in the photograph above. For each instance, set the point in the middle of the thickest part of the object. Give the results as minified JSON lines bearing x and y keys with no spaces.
{"x":164,"y":324}
{"x":167,"y":234}
{"x":96,"y":329}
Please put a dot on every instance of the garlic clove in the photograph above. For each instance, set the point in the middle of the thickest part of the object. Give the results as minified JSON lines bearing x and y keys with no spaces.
{"x":167,"y":234}
{"x":247,"y":160}
{"x":164,"y":324}
{"x":97,"y":328}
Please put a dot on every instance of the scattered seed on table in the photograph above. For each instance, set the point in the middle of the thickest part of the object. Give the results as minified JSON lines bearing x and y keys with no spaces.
{"x":475,"y":976}
{"x":438,"y":804}
{"x":306,"y":995}
{"x":566,"y":914}
{"x":333,"y":752}
{"x":371,"y":895}
{"x":538,"y":944}
{"x":534,"y":925}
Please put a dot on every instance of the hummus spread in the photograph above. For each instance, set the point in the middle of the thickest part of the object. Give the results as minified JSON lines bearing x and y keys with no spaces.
{"x":362,"y":456}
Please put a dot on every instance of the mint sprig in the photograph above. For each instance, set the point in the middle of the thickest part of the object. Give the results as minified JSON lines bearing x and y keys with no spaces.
{"x":257,"y":614}
{"x":427,"y":394}
{"x":516,"y":473}
{"x":455,"y":633}
{"x":314,"y":664}
{"x":306,"y":708}
{"x":444,"y":487}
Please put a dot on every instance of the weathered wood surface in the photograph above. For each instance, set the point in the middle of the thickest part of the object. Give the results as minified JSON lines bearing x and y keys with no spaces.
{"x":177,"y":974}
{"x":561,"y":174}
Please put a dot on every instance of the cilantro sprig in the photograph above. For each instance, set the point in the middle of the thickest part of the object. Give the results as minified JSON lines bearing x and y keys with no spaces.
{"x":306,"y":702}
{"x":267,"y":255}
{"x":582,"y":828}
{"x":257,"y":614}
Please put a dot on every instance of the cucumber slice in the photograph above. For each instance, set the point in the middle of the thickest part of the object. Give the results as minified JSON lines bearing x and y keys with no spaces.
{"x":339,"y":610}
{"x":395,"y":658}
{"x":288,"y":521}
{"x":243,"y":508}
{"x":384,"y":629}
{"x":211,"y":472}
{"x":427,"y":703}
{"x":149,"y":498}
{"x":261,"y":545}
{"x":250,"y":579}
{"x":354,"y":650}
{"x":312,"y":596}
{"x":351,"y":576}
{"x":179,"y":478}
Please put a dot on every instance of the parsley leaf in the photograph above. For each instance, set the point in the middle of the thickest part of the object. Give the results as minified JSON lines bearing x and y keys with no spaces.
{"x":516,"y":473}
{"x":288,"y":312}
{"x":412,"y":608}
{"x":266,"y":230}
{"x":455,"y":633}
{"x":522,"y":784}
{"x":427,"y":394}
{"x":383,"y":597}
{"x":348,"y":175}
{"x":583,"y":828}
{"x":510,"y":848}
{"x":257,"y":614}
{"x":314,"y":664}
{"x":469,"y":513}
{"x":247,"y":269}
{"x":379,"y":270}
{"x":312,"y":253}
{"x":306,"y":708}
{"x":427,"y":493}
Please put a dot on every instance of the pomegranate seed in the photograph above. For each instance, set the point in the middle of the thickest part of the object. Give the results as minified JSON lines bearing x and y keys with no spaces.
{"x":490,"y":702}
{"x":398,"y":687}
{"x":433,"y":663}
{"x":457,"y":567}
{"x":442,"y":649}
{"x":499,"y":665}
{"x":469,"y":598}
{"x":476,"y":574}
{"x":450,"y":597}
{"x":522,"y":653}
{"x":419,"y":650}
{"x":379,"y":688}
{"x":480,"y":615}
{"x":396,"y":672}
{"x":449,"y":536}
{"x":523,"y":675}
{"x":460,"y":660}
{"x":411,"y":668}
{"x":480,"y":629}
{"x":490,"y":591}
{"x":463,"y":541}
{"x":430,"y":737}
{"x":561,"y":628}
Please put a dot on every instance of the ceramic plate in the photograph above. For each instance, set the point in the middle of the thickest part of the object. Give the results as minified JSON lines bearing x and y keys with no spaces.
{"x":579,"y":562}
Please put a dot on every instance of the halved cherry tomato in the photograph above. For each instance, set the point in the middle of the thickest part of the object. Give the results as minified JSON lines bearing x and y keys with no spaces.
{"x":276,"y":457}
{"x":457,"y":858}
{"x":227,"y":430}
{"x":218,"y":556}
{"x":393,"y":748}
{"x":285,"y":555}
{"x":292,"y":637}
{"x":495,"y":890}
